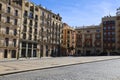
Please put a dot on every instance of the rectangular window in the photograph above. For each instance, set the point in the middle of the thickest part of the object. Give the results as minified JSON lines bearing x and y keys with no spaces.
{"x":31,"y":15}
{"x":0,"y":17}
{"x":8,"y":19}
{"x":14,"y":42}
{"x":24,"y":36}
{"x":0,"y":6}
{"x":8,"y":9}
{"x":7,"y":30}
{"x":15,"y":32}
{"x":15,"y":22}
{"x":7,"y":41}
{"x":25,"y":13}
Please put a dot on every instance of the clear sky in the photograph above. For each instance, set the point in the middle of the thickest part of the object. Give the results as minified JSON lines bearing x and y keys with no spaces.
{"x":81,"y":12}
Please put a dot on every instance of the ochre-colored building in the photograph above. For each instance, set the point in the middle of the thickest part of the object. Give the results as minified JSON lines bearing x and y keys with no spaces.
{"x":68,"y":40}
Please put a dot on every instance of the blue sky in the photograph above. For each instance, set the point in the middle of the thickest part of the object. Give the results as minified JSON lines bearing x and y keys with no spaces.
{"x":81,"y":12}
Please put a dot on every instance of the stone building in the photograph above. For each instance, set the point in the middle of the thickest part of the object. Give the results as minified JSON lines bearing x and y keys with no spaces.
{"x":88,"y":40}
{"x":10,"y":20}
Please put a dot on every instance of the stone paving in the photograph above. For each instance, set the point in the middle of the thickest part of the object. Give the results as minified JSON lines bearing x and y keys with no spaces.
{"x":22,"y":65}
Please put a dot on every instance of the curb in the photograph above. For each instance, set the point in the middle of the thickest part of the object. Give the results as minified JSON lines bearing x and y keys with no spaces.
{"x":55,"y":67}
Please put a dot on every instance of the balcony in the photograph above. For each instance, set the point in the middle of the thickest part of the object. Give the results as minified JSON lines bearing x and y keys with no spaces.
{"x":3,"y":34}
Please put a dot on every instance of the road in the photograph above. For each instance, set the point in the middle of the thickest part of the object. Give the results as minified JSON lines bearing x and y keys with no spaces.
{"x":104,"y":70}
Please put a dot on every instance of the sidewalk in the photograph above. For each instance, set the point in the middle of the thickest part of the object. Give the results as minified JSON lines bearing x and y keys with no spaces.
{"x":23,"y":65}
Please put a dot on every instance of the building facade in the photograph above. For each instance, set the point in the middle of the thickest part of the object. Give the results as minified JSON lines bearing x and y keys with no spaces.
{"x":28,"y":30}
{"x":40,"y":31}
{"x":111,"y":34}
{"x":68,"y":40}
{"x":88,"y":40}
{"x":10,"y":20}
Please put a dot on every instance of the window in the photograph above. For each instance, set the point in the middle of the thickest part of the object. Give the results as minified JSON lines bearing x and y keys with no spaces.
{"x":113,"y":39}
{"x":30,"y":15}
{"x":15,"y":32}
{"x":36,"y":24}
{"x":35,"y":31}
{"x":108,"y":33}
{"x":35,"y":46}
{"x":68,"y":32}
{"x":0,"y":17}
{"x":43,"y":14}
{"x":14,"y":42}
{"x":0,"y":6}
{"x":36,"y":17}
{"x":104,"y":33}
{"x":25,"y":21}
{"x":8,"y":19}
{"x":108,"y":27}
{"x":88,"y":31}
{"x":15,"y":22}
{"x":35,"y":38}
{"x":25,"y":13}
{"x":16,"y":12}
{"x":7,"y":41}
{"x":30,"y":30}
{"x":31,"y":23}
{"x":7,"y":30}
{"x":104,"y":22}
{"x":104,"y":28}
{"x":108,"y":39}
{"x":24,"y":29}
{"x":8,"y":10}
{"x":113,"y":33}
{"x":113,"y":27}
{"x":30,"y":37}
{"x":29,"y":45}
{"x":24,"y":36}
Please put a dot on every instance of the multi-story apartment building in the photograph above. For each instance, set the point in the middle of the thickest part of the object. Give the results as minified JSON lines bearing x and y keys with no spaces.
{"x":10,"y":20}
{"x":40,"y":31}
{"x":29,"y":32}
{"x":88,"y":40}
{"x":109,"y":33}
{"x":50,"y":34}
{"x":118,"y":31}
{"x":68,"y":40}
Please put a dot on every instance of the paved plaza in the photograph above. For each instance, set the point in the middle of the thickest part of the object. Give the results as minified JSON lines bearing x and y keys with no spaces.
{"x":22,"y":65}
{"x":103,"y":70}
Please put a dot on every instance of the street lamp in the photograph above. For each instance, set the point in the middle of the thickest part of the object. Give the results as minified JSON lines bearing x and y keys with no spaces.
{"x":18,"y":44}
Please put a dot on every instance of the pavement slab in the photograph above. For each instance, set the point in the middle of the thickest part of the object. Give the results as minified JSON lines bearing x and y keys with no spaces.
{"x":17,"y":66}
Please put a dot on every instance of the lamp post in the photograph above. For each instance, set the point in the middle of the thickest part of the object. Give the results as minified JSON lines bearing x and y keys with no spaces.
{"x":18,"y":44}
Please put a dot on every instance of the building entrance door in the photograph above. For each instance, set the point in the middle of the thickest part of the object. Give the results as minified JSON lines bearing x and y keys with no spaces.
{"x":5,"y":53}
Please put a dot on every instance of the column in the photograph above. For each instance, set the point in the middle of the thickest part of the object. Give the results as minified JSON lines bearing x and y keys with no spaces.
{"x":32,"y":51}
{"x":26,"y":50}
{"x":20,"y":48}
